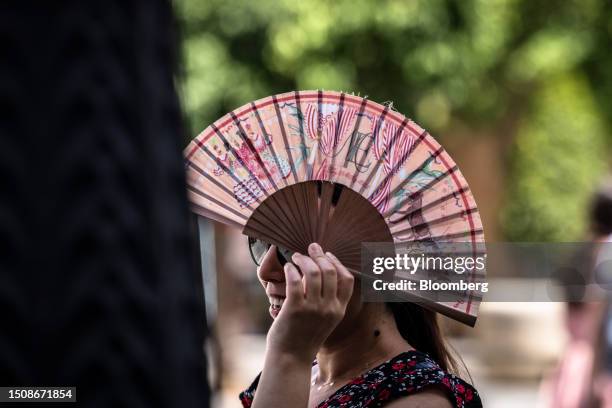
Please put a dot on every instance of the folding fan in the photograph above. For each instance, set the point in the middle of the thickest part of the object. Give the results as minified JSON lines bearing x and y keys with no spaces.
{"x":332,"y":168}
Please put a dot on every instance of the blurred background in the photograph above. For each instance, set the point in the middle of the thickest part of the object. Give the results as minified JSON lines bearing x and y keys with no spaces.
{"x":519,"y":92}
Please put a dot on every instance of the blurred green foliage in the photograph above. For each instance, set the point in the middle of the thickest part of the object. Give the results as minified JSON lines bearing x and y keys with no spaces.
{"x":546,"y":63}
{"x":557,"y":157}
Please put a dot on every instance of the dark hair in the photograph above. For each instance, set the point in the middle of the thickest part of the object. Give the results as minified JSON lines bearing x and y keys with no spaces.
{"x":419,"y":327}
{"x":601,"y":209}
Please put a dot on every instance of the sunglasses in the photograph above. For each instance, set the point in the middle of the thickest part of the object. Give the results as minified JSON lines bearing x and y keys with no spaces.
{"x":259,"y":249}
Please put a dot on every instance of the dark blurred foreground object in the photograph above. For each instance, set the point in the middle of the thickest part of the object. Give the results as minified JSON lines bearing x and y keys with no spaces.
{"x":98,"y":286}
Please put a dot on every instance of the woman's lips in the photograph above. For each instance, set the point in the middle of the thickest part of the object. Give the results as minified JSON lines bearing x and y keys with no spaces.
{"x":276,"y":303}
{"x":274,"y":311}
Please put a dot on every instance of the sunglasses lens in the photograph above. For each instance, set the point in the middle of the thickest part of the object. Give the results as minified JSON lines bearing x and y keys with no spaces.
{"x":284,"y":255}
{"x":258,"y":249}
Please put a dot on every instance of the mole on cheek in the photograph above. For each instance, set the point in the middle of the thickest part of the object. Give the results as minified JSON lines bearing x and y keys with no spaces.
{"x":376,"y":333}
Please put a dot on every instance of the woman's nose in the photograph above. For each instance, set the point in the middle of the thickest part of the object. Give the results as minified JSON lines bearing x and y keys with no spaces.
{"x":270,"y":269}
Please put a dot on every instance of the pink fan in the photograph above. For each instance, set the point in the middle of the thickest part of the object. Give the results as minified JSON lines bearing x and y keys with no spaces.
{"x":337,"y":169}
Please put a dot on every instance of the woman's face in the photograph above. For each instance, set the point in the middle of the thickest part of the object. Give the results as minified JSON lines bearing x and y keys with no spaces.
{"x":272,"y":277}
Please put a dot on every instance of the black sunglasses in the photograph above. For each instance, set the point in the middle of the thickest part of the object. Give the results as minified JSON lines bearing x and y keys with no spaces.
{"x":259,"y":249}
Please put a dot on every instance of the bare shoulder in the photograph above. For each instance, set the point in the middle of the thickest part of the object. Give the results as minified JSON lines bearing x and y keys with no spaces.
{"x":429,"y":398}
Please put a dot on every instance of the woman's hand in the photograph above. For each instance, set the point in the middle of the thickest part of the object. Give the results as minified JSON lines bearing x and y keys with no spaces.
{"x":315,"y":303}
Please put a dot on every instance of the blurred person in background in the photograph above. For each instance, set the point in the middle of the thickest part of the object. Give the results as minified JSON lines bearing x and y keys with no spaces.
{"x":583,"y":376}
{"x":602,"y":225}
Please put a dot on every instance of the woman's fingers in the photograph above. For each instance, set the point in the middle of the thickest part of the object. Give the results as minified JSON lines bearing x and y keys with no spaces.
{"x":312,"y":275}
{"x":293,"y":282}
{"x":329,"y":275}
{"x":317,"y":296}
{"x":324,"y":276}
{"x":345,"y":280}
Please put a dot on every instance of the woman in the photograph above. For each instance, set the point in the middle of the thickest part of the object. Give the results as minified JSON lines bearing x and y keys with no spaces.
{"x":361,"y":357}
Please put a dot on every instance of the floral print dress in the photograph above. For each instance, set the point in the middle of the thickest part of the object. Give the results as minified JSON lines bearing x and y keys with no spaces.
{"x":405,"y":374}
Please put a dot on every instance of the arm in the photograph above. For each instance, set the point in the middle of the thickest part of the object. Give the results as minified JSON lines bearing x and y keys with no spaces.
{"x":315,"y":304}
{"x":284,"y":381}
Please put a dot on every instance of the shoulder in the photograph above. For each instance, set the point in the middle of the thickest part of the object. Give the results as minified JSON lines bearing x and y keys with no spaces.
{"x":413,"y":379}
{"x":428,"y":398}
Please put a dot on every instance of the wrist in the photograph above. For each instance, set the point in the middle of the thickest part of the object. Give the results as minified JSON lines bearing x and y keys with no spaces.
{"x":290,"y":359}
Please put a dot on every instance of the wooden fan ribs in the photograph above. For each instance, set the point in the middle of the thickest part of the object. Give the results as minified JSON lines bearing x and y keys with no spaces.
{"x":325,"y":208}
